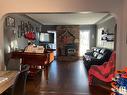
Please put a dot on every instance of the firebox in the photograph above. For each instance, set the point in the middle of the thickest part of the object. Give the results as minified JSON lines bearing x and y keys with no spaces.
{"x":71,"y":51}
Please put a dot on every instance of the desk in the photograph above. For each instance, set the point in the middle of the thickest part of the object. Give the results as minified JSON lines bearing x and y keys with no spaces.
{"x":10,"y":79}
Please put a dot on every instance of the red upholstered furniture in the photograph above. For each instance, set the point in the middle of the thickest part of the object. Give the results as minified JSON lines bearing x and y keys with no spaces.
{"x":103,"y":72}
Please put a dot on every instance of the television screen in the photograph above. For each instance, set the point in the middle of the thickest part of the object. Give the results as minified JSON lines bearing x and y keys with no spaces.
{"x":51,"y":37}
{"x":46,"y":37}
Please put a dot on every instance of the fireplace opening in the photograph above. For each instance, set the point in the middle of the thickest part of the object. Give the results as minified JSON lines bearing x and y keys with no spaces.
{"x":71,"y":51}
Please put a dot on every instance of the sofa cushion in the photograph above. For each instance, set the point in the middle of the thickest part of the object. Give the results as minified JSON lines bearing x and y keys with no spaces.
{"x":95,"y":49}
{"x":102,"y":51}
{"x":98,"y":49}
{"x":95,"y":54}
{"x":99,"y":56}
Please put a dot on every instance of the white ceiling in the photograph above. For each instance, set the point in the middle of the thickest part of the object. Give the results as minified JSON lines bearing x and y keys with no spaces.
{"x":85,"y":18}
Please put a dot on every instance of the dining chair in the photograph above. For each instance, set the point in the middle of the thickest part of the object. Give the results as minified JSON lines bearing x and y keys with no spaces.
{"x":20,"y":83}
{"x":19,"y":86}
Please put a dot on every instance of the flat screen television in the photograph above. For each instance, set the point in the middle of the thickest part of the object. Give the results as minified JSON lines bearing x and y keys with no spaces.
{"x":51,"y":37}
{"x":46,"y":37}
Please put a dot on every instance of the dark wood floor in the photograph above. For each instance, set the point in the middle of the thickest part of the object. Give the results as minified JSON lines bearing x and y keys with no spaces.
{"x":63,"y":78}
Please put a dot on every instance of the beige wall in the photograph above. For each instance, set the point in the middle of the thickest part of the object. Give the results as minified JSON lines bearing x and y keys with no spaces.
{"x":123,"y":54}
{"x":114,"y":6}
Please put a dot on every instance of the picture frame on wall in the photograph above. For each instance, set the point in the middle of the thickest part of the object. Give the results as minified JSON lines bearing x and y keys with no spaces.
{"x":22,"y":25}
{"x":19,"y":31}
{"x":10,"y":21}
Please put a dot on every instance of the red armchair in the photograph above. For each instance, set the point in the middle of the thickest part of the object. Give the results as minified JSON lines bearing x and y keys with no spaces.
{"x":103,"y":72}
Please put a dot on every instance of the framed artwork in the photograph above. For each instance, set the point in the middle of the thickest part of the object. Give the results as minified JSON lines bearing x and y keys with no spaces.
{"x":10,"y":21}
{"x":22,"y":25}
{"x":19,"y":31}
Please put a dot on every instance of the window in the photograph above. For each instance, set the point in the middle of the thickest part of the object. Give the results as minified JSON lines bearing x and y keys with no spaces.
{"x":84,"y":41}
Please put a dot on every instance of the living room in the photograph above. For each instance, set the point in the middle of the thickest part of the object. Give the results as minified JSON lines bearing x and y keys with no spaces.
{"x":17,"y":41}
{"x":30,"y":23}
{"x":117,"y":7}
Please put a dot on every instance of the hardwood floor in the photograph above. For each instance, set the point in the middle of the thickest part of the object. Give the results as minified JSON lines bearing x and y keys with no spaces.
{"x":63,"y":78}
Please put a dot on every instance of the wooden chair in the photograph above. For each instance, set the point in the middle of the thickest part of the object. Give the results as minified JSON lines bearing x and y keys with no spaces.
{"x":19,"y":86}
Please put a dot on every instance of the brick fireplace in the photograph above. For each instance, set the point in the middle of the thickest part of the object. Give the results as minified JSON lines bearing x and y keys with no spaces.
{"x":67,"y":47}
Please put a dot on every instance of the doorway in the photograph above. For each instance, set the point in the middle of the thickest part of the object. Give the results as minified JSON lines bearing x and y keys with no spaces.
{"x":53,"y":45}
{"x":84,"y":41}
